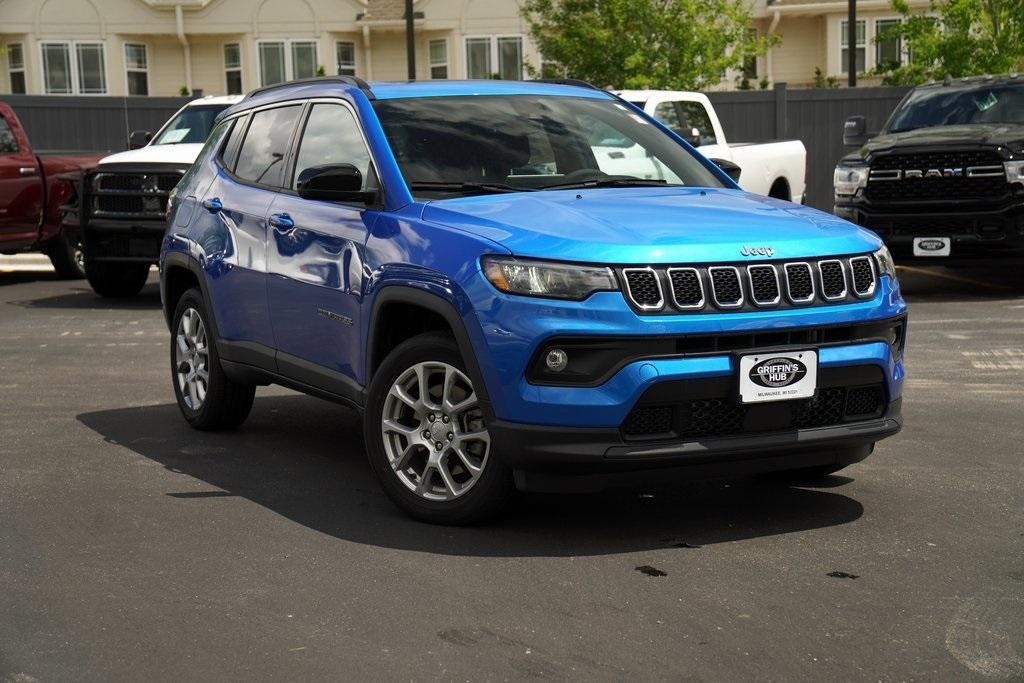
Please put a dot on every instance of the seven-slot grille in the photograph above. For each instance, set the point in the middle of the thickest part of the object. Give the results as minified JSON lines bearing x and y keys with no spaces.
{"x":758,"y":285}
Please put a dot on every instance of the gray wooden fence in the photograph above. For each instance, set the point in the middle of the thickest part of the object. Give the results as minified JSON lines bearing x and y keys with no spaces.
{"x":813,"y":116}
{"x":58,"y":123}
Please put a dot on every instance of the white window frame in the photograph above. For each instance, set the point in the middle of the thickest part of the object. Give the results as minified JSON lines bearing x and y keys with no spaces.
{"x":431,"y":64}
{"x":868,"y":57}
{"x":493,"y":38}
{"x":11,"y":70}
{"x":874,"y":36}
{"x":72,"y":46}
{"x":289,"y":72}
{"x":355,"y":57}
{"x":228,"y":69}
{"x":127,"y":69}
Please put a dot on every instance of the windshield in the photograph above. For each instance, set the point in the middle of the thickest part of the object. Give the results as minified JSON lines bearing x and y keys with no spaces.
{"x":190,"y":125}
{"x":948,"y":106}
{"x":477,"y":143}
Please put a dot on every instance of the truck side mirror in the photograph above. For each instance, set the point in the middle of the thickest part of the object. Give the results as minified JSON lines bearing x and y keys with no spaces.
{"x":732,"y":170}
{"x":855,"y":131}
{"x":139,"y":138}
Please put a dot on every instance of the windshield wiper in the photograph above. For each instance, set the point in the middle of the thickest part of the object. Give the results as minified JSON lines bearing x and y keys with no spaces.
{"x":608,"y":182}
{"x":482,"y":188}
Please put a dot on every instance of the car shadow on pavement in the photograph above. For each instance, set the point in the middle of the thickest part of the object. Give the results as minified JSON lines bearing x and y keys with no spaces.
{"x":81,"y":296}
{"x":304,"y":459}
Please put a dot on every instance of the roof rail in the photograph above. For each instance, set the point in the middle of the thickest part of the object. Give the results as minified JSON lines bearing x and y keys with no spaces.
{"x":567,"y":81}
{"x":347,"y":80}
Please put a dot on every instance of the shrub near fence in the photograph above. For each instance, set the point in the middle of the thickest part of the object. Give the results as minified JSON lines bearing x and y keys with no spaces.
{"x":65,"y":123}
{"x":814,"y":116}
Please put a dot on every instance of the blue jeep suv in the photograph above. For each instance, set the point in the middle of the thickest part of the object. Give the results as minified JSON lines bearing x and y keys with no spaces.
{"x":521,"y":284}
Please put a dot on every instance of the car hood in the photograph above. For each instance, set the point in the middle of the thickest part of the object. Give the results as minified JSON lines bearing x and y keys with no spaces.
{"x":183,"y":154}
{"x":973,"y":134}
{"x":650,"y":225}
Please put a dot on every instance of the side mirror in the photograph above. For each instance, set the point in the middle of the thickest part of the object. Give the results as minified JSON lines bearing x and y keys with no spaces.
{"x":731,"y":169}
{"x":855,"y":131}
{"x":139,"y":138}
{"x":333,"y":182}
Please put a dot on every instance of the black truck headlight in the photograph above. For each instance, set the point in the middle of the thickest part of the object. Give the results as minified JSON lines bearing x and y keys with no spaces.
{"x":849,"y":179}
{"x":547,"y":278}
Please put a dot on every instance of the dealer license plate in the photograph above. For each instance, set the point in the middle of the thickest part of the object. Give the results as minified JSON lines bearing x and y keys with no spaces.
{"x":778,"y":376}
{"x":932,"y":246}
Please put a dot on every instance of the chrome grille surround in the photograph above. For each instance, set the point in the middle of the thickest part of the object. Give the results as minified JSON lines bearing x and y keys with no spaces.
{"x":863,"y":292}
{"x":789,"y":280}
{"x":700,"y":285}
{"x":824,"y":285}
{"x":761,"y":268}
{"x":738,"y":302}
{"x":630,"y":287}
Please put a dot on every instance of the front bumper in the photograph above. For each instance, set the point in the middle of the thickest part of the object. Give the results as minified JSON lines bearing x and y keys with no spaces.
{"x":550,"y":458}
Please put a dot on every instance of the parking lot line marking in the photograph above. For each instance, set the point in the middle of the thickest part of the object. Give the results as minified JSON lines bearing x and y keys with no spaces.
{"x":955,"y":278}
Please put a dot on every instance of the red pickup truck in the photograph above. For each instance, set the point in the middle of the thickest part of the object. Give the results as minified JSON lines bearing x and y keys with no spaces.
{"x":32,"y":190}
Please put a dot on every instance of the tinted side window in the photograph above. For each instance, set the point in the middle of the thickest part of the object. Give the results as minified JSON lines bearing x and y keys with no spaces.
{"x":332,"y":137}
{"x":230,"y":152}
{"x":8,"y":145}
{"x":262,"y":158}
{"x":667,"y":114}
{"x":694,"y":115}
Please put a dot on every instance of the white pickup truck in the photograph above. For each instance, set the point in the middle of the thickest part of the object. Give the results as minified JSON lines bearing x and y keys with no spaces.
{"x":775,"y":169}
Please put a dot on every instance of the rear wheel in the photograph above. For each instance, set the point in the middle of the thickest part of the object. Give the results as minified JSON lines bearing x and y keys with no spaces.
{"x":426,"y":437}
{"x":65,"y":254}
{"x":114,"y":279}
{"x":207,"y":397}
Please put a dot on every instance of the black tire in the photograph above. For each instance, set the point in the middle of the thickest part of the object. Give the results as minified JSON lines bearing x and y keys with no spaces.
{"x":492,"y":487}
{"x":65,"y":254}
{"x":226,"y":403}
{"x":116,"y":280}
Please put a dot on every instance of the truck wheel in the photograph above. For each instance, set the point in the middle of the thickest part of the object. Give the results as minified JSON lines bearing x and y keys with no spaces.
{"x":208,"y":399}
{"x":65,"y":254}
{"x":426,"y":438}
{"x":116,"y":280}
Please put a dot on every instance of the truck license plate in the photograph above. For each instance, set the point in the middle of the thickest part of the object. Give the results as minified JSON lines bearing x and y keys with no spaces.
{"x":931,"y":246}
{"x":778,"y":376}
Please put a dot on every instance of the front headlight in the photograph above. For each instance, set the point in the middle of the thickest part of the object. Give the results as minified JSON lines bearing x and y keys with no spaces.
{"x":1014,"y":171}
{"x":848,"y":179}
{"x":886,"y":266}
{"x":547,"y":279}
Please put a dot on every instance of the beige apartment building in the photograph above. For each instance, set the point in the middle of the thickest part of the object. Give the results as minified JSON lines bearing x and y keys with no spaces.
{"x":163,"y":47}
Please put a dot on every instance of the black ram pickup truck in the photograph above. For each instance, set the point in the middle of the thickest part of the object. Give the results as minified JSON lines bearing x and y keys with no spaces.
{"x":944,"y":179}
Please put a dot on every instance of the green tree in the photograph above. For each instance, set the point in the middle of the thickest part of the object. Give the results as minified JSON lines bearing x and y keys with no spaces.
{"x":957,"y":37}
{"x":670,"y":44}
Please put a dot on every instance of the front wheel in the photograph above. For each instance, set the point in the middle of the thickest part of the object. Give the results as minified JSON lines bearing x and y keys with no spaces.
{"x":426,"y":437}
{"x":65,"y":254}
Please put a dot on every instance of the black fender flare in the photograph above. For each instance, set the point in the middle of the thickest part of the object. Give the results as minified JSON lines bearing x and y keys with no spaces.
{"x":435,"y":304}
{"x":177,"y":259}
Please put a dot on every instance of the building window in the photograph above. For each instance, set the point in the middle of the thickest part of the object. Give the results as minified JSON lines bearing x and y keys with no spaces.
{"x":16,"y":67}
{"x":483,"y":53}
{"x":750,"y":61}
{"x":286,"y":60}
{"x":844,"y":52}
{"x":439,"y":58}
{"x":233,"y":69}
{"x":888,"y":51}
{"x":345,"y":51}
{"x":74,"y":68}
{"x":136,"y":66}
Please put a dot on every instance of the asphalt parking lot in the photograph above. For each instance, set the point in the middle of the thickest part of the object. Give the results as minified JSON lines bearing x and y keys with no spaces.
{"x":134,"y":548}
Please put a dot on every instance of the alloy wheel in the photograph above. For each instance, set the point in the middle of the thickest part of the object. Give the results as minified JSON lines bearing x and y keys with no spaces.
{"x":192,"y":359}
{"x":434,"y":433}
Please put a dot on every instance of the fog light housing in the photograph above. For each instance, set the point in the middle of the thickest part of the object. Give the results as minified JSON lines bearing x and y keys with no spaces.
{"x":556,"y":360}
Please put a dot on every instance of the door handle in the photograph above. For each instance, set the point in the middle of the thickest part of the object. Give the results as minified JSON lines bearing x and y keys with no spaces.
{"x":213,"y":204}
{"x":281,"y":220}
{"x":27,"y":170}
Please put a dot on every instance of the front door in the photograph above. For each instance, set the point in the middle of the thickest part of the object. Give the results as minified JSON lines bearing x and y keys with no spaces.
{"x":315,"y":257}
{"x":21,"y":190}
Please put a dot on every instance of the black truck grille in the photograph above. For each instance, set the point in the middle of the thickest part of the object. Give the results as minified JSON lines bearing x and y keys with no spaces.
{"x":696,"y":289}
{"x":713,"y":410}
{"x":965,"y":174}
{"x":125,"y":194}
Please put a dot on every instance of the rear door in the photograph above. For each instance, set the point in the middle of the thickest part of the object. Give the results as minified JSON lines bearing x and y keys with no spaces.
{"x":21,"y":187}
{"x":315,"y":258}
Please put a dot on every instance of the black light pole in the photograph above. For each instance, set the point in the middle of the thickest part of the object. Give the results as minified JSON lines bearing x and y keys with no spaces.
{"x":851,"y":43}
{"x":410,"y":40}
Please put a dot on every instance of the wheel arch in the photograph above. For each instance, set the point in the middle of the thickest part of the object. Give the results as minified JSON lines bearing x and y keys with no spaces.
{"x":395,"y":302}
{"x":178,"y":273}
{"x":780,"y":189}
